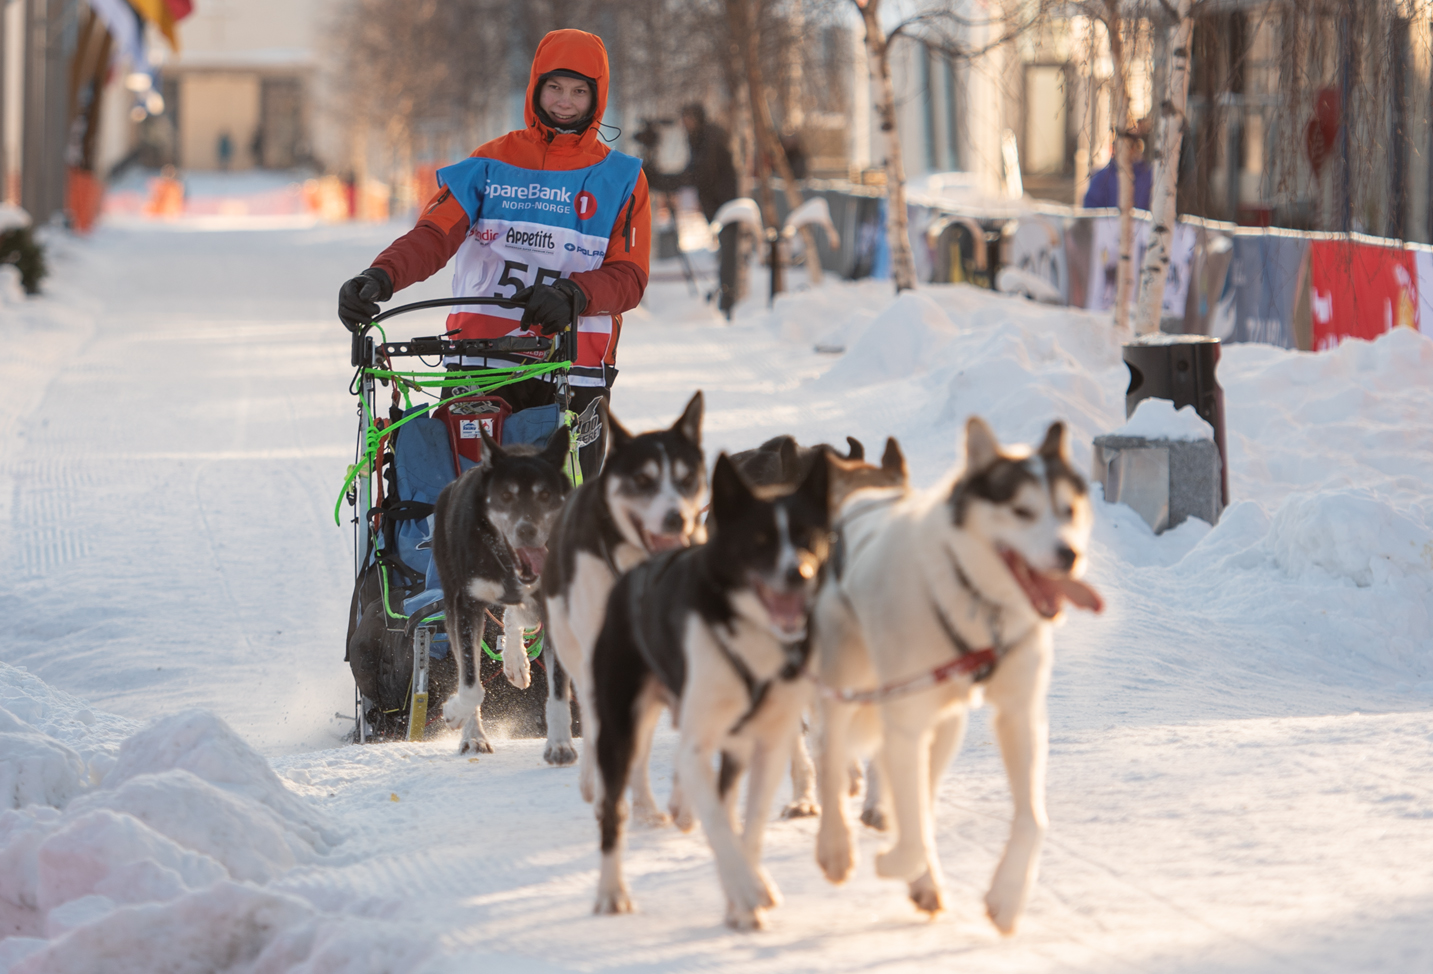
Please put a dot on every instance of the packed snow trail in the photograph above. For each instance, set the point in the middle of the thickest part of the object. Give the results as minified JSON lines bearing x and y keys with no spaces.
{"x":1241,"y":776}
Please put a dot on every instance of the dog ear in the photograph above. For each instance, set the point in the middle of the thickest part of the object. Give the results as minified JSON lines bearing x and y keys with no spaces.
{"x":1057,"y":443}
{"x":492,"y":452}
{"x":555,"y":452}
{"x":981,"y":446}
{"x":689,"y":424}
{"x":857,"y":449}
{"x":790,"y":458}
{"x":620,"y":437}
{"x":815,"y":488}
{"x":893,"y":461}
{"x":729,"y":490}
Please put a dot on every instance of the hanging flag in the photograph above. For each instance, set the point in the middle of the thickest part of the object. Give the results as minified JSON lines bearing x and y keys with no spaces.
{"x":159,"y":13}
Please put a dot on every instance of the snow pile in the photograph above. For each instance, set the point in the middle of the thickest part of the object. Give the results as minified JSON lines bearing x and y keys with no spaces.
{"x":35,"y":769}
{"x":12,"y":217}
{"x":1157,"y":419}
{"x":161,"y":863}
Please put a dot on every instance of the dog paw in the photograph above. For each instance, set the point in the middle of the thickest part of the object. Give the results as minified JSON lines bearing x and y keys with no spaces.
{"x":744,"y":920}
{"x":650,"y":816}
{"x":902,"y":860}
{"x":475,"y":745}
{"x":682,"y":817}
{"x":805,"y":808}
{"x":925,"y":893}
{"x":875,"y":818}
{"x":519,"y":673}
{"x":749,"y":890}
{"x":560,"y":755}
{"x":835,"y":854}
{"x":1003,"y":910}
{"x":453,"y":714}
{"x":612,"y":901}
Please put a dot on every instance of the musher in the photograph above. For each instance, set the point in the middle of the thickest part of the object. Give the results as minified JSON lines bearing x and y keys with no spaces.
{"x":546,"y":215}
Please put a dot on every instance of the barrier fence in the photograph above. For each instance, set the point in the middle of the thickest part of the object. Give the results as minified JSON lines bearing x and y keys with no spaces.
{"x":1294,"y":289}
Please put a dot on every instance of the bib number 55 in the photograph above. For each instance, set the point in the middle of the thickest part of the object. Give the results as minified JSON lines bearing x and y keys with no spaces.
{"x":511,"y":271}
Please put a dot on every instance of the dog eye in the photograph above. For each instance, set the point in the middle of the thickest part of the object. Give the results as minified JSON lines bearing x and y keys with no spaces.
{"x":507,"y":496}
{"x":1024,"y":513}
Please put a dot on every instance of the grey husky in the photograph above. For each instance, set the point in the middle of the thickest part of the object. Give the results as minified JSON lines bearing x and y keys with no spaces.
{"x":490,"y":546}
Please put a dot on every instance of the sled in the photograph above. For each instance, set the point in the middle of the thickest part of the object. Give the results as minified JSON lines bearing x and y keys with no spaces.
{"x":419,"y":428}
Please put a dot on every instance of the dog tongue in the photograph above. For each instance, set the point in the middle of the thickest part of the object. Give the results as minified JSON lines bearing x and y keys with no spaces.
{"x":663,"y":542}
{"x":787,"y":609}
{"x":1046,"y":593}
{"x":1080,"y":594}
{"x":532,"y":560}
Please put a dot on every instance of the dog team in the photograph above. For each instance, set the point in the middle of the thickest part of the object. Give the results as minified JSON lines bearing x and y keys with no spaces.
{"x":816,"y":584}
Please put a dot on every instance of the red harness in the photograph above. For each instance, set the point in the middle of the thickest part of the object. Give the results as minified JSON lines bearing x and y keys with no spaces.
{"x":971,"y":662}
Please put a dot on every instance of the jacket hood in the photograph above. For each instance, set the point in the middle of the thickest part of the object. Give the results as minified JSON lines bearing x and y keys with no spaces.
{"x":575,"y":50}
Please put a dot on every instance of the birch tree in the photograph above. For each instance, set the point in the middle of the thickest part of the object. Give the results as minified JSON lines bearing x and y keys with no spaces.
{"x":1155,"y":269}
{"x":1124,"y":139}
{"x":941,"y":26}
{"x":903,"y":265}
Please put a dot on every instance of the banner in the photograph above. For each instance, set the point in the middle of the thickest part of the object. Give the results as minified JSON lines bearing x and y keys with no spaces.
{"x":1360,"y":290}
{"x":1094,"y":249}
{"x":1037,"y":248}
{"x":1423,"y":261}
{"x":1268,"y":270}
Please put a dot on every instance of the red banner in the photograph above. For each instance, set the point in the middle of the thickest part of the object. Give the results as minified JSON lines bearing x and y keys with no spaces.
{"x":1360,"y":290}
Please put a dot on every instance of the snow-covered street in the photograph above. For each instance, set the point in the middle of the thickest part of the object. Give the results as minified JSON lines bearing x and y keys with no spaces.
{"x":1241,"y":770}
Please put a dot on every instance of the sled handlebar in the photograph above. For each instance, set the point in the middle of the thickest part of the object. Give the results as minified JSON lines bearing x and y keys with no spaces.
{"x":364,"y":347}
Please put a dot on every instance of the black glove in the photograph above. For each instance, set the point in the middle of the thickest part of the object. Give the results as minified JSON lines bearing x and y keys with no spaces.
{"x":552,"y":307}
{"x":358,"y":298}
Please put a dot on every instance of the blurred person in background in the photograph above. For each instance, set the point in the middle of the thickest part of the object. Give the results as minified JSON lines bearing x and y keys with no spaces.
{"x":711,"y":172}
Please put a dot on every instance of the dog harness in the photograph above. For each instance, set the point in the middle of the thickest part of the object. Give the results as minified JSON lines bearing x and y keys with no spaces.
{"x":968,"y":660}
{"x":796,"y":654}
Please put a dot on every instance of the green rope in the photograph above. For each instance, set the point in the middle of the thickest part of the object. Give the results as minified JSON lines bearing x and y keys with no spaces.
{"x":485,"y":381}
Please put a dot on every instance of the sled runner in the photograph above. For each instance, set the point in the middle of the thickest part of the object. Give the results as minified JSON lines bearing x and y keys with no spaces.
{"x":419,"y":428}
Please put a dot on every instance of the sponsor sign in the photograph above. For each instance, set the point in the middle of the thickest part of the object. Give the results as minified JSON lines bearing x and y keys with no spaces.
{"x":1360,"y":290}
{"x":472,"y":428}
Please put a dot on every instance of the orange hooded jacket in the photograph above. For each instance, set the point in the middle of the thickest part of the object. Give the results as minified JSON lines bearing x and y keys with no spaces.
{"x":614,"y":287}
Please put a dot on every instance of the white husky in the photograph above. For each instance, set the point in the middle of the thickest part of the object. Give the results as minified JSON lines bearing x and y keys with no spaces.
{"x":930,"y":597}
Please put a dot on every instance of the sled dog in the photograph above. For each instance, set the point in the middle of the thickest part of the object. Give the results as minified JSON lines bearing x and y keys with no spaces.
{"x":647,"y":499}
{"x":716,"y":632}
{"x":490,"y":534}
{"x":930,"y":599}
{"x":781,"y":460}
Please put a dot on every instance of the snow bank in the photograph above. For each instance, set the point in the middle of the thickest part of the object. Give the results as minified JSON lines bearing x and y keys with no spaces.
{"x":12,"y":217}
{"x":159,"y":862}
{"x":1157,"y":419}
{"x":35,"y":769}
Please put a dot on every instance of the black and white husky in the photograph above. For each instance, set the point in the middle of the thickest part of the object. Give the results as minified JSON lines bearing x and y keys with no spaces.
{"x":647,"y":499}
{"x":490,"y":535}
{"x":932,"y":598}
{"x":716,"y":632}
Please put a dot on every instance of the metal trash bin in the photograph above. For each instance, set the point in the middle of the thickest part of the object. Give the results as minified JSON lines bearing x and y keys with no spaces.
{"x":1180,"y":368}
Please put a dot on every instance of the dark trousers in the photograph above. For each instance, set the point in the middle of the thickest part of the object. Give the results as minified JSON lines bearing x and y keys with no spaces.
{"x":728,"y":241}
